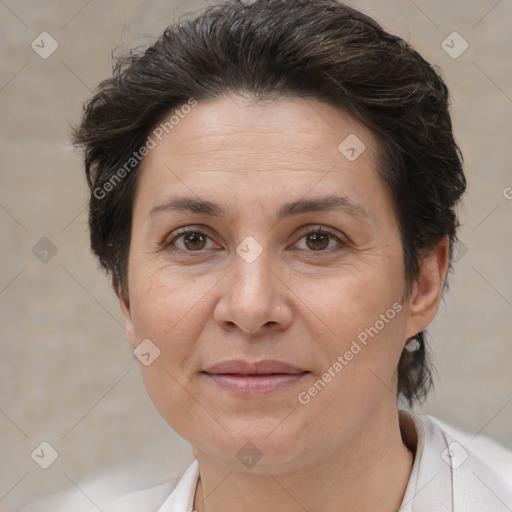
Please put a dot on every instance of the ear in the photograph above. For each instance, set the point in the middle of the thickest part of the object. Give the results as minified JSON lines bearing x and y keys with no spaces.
{"x":124,"y":303}
{"x":427,"y":291}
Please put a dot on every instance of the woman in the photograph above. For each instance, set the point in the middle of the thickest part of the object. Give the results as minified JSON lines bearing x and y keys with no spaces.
{"x":273,"y":191}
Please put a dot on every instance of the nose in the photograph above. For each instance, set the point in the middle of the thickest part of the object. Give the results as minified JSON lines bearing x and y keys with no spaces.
{"x":253,"y":298}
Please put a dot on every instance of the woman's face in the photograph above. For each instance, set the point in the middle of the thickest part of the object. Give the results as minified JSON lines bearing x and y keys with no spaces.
{"x":254,"y":280}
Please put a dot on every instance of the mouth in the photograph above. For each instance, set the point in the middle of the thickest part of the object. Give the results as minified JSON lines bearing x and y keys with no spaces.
{"x":243,"y":378}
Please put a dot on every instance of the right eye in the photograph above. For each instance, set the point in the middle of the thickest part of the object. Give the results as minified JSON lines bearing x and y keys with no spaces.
{"x":193,"y":240}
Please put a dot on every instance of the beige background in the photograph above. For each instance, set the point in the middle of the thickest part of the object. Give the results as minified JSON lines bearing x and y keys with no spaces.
{"x":67,"y":375}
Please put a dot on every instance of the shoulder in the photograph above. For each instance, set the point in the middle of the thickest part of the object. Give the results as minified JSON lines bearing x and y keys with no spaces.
{"x":148,"y":499}
{"x":480,"y":469}
{"x":484,"y":449}
{"x":114,"y":493}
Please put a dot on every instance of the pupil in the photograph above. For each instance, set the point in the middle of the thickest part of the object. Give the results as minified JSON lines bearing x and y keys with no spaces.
{"x":194,"y":238}
{"x":320,"y":236}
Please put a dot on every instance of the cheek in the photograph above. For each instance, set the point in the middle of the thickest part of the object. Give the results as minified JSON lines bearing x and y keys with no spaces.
{"x":166,"y":310}
{"x":364,"y":321}
{"x":172,"y":309}
{"x":361,"y":370}
{"x":350,"y":303}
{"x":156,"y":291}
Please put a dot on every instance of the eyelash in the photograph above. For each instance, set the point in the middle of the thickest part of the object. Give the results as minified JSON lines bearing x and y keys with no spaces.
{"x":179,"y":233}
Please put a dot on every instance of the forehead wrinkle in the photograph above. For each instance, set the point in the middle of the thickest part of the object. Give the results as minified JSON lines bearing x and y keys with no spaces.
{"x":247,"y":171}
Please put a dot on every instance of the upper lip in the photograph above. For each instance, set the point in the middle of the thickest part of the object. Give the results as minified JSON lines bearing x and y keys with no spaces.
{"x":239,"y":366}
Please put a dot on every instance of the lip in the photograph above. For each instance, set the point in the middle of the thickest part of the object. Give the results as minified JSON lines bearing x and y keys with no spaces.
{"x":259,"y":378}
{"x":241,"y":367}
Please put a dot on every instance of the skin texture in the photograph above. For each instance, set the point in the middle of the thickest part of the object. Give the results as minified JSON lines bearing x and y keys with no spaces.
{"x":302,"y":301}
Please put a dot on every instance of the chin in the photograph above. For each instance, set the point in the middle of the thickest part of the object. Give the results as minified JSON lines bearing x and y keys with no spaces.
{"x":259,"y":446}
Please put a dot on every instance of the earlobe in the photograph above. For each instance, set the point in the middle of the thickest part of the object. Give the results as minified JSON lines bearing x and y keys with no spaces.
{"x":427,"y":291}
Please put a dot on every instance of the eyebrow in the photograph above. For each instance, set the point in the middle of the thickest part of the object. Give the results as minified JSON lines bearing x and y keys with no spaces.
{"x":200,"y":206}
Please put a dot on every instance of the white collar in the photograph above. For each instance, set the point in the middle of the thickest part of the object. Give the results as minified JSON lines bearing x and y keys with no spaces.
{"x":430,"y":485}
{"x":182,"y":498}
{"x":449,"y":477}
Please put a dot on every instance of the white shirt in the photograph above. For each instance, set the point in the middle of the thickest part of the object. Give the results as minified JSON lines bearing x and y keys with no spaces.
{"x":446,"y":477}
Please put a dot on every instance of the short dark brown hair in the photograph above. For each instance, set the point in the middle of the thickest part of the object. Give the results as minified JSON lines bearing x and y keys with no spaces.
{"x":268,"y":50}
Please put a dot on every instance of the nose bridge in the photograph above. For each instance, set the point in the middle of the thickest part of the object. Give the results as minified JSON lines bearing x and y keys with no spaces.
{"x":251,"y":273}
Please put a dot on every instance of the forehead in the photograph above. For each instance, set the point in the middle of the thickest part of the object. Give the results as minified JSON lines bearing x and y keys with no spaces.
{"x":298,"y":127}
{"x":230,"y":147}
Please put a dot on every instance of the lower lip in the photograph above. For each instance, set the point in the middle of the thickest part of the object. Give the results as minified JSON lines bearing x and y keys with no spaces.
{"x":256,"y":384}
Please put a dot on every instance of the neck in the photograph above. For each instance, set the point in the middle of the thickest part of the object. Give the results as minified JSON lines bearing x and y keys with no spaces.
{"x":370,"y":474}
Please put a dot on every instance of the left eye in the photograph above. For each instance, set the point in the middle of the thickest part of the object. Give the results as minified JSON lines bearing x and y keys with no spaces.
{"x":318,"y":240}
